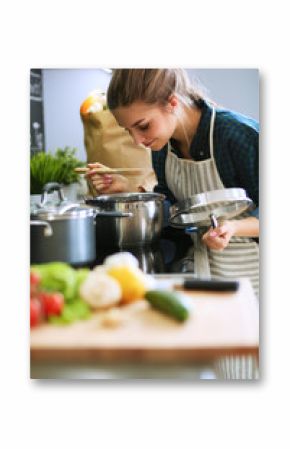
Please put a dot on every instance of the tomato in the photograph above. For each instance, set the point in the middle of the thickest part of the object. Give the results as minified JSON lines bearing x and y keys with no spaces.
{"x":35,"y":312}
{"x":34,"y":282}
{"x":52,"y":302}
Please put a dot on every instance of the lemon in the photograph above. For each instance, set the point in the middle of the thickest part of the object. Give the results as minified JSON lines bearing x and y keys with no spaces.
{"x":132,"y":281}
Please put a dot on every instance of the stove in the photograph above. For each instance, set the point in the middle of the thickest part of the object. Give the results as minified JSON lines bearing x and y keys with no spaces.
{"x":168,"y":255}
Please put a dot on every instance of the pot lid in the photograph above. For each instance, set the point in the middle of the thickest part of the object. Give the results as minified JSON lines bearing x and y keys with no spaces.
{"x":65,"y":210}
{"x":58,"y":210}
{"x":199,"y":209}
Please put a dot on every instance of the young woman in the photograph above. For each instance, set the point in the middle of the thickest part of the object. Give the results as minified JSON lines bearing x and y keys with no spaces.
{"x":196,"y":147}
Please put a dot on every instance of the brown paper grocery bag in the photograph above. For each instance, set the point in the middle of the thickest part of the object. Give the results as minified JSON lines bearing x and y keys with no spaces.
{"x":106,"y":142}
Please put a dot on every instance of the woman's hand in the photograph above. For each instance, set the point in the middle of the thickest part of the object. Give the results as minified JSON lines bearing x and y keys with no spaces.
{"x":106,"y":183}
{"x":219,"y":237}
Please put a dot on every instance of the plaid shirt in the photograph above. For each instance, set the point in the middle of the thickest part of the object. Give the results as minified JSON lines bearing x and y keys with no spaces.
{"x":236,"y":146}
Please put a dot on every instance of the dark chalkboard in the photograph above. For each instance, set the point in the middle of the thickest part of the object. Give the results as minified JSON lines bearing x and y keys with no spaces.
{"x":36,"y":112}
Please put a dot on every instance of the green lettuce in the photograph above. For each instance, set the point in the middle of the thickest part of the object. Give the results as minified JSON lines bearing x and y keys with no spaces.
{"x":58,"y":276}
{"x":61,"y":277}
{"x":77,"y":310}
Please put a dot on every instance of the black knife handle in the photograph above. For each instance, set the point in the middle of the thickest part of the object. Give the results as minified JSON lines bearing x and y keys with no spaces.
{"x":211,"y":285}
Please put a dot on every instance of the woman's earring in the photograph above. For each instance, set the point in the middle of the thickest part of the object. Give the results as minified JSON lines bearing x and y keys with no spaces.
{"x":172,"y":103}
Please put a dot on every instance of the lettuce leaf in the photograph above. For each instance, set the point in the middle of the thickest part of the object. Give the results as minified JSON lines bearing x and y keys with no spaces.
{"x":58,"y":276}
{"x":61,"y":277}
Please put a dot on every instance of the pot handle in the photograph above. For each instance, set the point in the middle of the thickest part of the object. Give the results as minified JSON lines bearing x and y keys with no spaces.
{"x":48,"y":188}
{"x":113,"y":214}
{"x":48,"y":232}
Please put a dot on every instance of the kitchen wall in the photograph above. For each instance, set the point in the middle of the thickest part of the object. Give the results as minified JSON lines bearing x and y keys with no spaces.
{"x":65,"y":89}
{"x":63,"y":92}
{"x":236,"y":89}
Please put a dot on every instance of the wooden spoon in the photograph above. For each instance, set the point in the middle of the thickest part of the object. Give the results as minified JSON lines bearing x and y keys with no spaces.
{"x":104,"y":171}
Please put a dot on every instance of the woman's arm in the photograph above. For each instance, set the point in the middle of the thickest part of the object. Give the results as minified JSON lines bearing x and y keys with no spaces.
{"x":247,"y":227}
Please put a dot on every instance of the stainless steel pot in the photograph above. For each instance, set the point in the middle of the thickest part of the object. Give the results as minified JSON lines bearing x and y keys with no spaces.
{"x":127,"y":219}
{"x":62,"y":232}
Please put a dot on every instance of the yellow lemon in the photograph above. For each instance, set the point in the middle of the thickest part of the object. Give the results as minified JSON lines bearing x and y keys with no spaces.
{"x":132,"y":282}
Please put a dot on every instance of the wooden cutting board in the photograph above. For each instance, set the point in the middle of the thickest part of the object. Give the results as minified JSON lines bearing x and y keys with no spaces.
{"x":220,"y":324}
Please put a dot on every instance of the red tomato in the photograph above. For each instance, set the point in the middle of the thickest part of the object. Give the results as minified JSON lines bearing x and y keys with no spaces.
{"x":34,"y":282}
{"x":35,"y":312}
{"x":52,"y":303}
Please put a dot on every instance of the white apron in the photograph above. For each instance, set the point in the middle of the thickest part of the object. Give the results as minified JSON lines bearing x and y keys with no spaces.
{"x":186,"y":178}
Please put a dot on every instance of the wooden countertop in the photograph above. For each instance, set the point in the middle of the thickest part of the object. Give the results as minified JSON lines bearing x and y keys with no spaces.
{"x":220,"y":324}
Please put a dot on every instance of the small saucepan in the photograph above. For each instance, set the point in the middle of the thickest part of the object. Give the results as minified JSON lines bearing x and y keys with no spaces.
{"x":62,"y":231}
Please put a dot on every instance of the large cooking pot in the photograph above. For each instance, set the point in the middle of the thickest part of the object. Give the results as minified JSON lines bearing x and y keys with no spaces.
{"x":62,"y":231}
{"x":127,"y":219}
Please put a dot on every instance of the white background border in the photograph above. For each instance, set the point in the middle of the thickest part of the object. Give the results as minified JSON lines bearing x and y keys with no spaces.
{"x":222,"y":34}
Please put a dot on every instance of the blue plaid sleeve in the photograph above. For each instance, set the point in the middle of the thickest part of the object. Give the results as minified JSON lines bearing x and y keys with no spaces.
{"x":237,"y":154}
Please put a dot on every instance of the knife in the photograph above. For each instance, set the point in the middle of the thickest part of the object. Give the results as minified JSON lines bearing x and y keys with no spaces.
{"x":199,"y":284}
{"x":210,"y":285}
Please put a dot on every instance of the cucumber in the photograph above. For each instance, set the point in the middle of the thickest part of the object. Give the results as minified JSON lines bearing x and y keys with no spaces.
{"x":169,"y":302}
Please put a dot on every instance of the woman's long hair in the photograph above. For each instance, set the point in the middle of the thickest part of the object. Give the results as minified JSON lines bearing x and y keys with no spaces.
{"x":151,"y":86}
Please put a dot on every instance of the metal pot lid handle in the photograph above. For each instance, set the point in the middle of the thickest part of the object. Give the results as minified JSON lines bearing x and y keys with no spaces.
{"x":49,"y":188}
{"x":213,"y":220}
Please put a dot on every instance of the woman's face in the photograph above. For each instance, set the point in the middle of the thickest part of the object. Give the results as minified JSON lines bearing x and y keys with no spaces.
{"x":149,"y":125}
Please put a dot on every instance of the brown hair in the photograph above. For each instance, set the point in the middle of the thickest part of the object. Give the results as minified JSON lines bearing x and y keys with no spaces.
{"x":151,"y":86}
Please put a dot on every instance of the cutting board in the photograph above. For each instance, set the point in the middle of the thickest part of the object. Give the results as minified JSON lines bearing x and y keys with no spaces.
{"x":220,"y":324}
